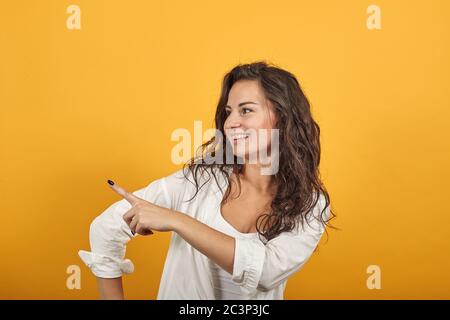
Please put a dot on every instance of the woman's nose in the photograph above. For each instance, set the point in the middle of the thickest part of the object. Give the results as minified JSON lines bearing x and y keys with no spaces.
{"x":232,"y":124}
{"x":232,"y":121}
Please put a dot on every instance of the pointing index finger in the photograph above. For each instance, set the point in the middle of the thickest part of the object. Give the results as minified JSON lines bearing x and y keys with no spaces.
{"x":131,"y":198}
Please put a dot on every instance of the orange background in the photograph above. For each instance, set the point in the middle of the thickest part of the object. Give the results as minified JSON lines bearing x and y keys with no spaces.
{"x":78,"y":107}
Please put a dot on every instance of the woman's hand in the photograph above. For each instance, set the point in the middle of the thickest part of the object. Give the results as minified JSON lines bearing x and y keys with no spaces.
{"x":144,"y":216}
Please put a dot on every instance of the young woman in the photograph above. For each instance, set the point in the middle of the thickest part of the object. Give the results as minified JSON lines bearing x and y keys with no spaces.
{"x":238,"y":232}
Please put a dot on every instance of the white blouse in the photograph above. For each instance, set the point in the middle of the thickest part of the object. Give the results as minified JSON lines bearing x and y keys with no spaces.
{"x":261,"y":268}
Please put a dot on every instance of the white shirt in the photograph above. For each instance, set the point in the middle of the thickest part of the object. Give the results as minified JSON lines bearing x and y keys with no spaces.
{"x":260,"y":270}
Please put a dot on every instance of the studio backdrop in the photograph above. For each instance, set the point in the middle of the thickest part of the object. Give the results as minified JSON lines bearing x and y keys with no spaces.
{"x":94,"y":90}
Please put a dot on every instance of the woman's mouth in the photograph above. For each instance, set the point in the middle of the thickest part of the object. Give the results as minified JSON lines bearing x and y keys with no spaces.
{"x":240,"y":137}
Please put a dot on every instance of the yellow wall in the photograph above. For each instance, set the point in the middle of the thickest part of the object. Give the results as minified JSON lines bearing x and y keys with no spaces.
{"x":78,"y":107}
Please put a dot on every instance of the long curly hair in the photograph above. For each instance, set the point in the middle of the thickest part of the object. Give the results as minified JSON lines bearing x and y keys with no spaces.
{"x":297,"y":179}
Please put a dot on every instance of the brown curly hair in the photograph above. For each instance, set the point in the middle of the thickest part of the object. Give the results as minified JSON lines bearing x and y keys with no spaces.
{"x":298,"y":179}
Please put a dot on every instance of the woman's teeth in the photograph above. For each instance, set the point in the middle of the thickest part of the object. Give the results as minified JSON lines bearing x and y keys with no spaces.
{"x":241,"y":136}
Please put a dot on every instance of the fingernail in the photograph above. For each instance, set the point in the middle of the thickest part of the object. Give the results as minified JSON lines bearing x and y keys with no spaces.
{"x":111,"y":182}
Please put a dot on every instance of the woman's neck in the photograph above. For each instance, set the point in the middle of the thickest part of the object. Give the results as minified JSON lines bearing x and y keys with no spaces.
{"x":253,"y":178}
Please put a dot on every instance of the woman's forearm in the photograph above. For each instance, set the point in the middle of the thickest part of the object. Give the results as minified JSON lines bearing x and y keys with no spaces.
{"x":110,"y":289}
{"x":217,"y":246}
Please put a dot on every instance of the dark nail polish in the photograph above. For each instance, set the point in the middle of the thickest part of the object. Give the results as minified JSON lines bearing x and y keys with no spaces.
{"x":111,"y":182}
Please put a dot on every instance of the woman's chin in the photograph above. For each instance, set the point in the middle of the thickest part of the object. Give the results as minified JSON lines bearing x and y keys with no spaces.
{"x":246,"y":156}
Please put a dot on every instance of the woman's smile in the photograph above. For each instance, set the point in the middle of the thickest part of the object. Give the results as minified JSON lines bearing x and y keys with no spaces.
{"x":239,"y":139}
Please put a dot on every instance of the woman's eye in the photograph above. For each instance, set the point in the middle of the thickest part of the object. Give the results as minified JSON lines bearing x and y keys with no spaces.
{"x":243,"y":110}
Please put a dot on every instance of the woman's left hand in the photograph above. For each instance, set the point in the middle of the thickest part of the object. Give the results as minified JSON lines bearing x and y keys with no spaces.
{"x":144,"y":216}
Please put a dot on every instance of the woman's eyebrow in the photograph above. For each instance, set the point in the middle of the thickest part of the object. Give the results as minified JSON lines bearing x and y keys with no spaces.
{"x":243,"y":103}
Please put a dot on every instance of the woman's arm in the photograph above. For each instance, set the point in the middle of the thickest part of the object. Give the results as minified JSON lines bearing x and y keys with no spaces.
{"x":108,"y":235}
{"x":253,"y":264}
{"x":217,"y":246}
{"x":110,"y":289}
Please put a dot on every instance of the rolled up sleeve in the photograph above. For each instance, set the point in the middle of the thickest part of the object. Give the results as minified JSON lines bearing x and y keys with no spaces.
{"x":109,"y":234}
{"x":249,"y":257}
{"x":264,"y":266}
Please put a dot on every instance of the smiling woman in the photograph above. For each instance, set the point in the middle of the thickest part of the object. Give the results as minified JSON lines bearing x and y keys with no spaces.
{"x":235,"y":256}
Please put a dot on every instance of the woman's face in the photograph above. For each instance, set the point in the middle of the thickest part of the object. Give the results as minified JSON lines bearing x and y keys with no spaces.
{"x":250,"y":116}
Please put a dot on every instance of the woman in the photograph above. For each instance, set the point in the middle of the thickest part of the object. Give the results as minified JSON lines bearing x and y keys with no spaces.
{"x":240,"y":228}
